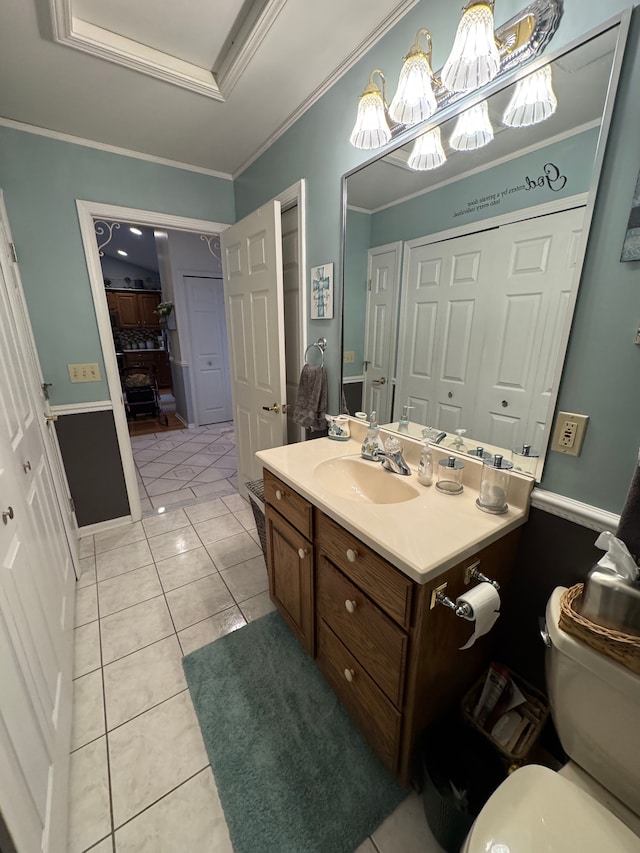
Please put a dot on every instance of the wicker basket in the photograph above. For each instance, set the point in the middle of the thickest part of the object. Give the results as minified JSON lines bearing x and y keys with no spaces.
{"x":623,"y":648}
{"x":256,"y":499}
{"x":535,"y":709}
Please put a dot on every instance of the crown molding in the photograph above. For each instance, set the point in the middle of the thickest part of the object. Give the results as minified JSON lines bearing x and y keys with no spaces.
{"x":389,"y":22}
{"x":111,"y":149}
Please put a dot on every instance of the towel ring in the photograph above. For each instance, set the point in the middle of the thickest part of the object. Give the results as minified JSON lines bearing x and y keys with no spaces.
{"x":319,"y":344}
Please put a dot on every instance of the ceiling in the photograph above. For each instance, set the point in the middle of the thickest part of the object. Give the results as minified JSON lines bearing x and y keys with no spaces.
{"x":209,"y":83}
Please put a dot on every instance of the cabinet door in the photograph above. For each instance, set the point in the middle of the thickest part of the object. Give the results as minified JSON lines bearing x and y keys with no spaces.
{"x":147,"y":304}
{"x":127,"y":307}
{"x":163,"y":370}
{"x":290,"y":566}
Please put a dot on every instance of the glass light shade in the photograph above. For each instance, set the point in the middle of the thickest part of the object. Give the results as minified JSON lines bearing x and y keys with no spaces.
{"x":371,"y":129}
{"x":473,"y":129}
{"x":414,"y":99}
{"x":474,"y":59}
{"x":427,"y":152}
{"x":533,"y":100}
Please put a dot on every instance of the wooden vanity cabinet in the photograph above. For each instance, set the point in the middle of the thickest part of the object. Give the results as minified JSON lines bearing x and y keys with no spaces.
{"x":290,"y":557}
{"x":392,"y":658}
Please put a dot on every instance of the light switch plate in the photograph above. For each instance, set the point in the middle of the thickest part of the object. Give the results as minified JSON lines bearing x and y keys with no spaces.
{"x":84,"y":372}
{"x":349,"y":357}
{"x":569,"y":433}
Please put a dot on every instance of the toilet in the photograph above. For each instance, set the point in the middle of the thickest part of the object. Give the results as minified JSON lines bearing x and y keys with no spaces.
{"x":593,"y":803}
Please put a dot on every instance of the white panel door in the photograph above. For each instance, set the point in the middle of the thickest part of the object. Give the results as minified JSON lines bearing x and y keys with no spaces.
{"x":528,"y":306}
{"x":380,"y":330}
{"x":443,"y":307}
{"x":252,"y":266}
{"x":209,"y":351}
{"x":36,"y":611}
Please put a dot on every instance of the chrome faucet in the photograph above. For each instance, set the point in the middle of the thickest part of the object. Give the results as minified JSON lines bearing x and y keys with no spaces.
{"x":393,"y":461}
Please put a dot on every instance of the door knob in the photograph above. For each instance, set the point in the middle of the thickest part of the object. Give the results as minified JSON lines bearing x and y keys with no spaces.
{"x":381,"y":381}
{"x":51,"y":418}
{"x":504,"y":404}
{"x":26,"y":466}
{"x":302,"y":553}
{"x":275,"y":408}
{"x":7,"y":514}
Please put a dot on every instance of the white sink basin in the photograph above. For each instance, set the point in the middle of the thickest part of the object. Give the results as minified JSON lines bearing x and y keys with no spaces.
{"x":359,"y":480}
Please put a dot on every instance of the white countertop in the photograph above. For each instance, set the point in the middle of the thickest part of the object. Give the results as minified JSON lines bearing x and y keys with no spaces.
{"x":422,"y":537}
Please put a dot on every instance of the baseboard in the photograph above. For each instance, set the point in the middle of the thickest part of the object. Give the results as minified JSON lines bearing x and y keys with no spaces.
{"x":101,"y":526}
{"x":182,"y":421}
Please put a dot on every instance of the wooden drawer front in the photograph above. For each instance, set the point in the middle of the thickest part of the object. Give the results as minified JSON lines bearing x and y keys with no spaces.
{"x":366,"y":703}
{"x":384,"y":584}
{"x":290,"y":567}
{"x":289,"y":504}
{"x":377,"y":642}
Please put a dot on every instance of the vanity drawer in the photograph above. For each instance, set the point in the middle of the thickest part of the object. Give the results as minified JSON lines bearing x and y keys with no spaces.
{"x":363,"y":699}
{"x":377,"y":642}
{"x":384,"y":584}
{"x":289,"y":504}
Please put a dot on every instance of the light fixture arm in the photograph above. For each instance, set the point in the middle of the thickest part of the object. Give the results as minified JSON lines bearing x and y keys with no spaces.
{"x":373,"y":89}
{"x":417,"y":49}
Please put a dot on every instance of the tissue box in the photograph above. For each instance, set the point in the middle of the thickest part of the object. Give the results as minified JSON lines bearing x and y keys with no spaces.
{"x":611,"y":601}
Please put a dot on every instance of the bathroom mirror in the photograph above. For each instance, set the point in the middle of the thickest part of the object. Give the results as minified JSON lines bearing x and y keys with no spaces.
{"x":459,"y":282}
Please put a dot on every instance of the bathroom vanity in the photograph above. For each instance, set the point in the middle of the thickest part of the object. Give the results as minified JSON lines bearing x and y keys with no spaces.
{"x":355,"y":577}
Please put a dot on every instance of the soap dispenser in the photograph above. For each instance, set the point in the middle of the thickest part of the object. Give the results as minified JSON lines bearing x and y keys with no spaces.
{"x":425,"y":465}
{"x":403,"y":423}
{"x":372,"y":442}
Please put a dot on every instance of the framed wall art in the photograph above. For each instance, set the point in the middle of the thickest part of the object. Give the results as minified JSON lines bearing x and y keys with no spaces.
{"x":322,"y":292}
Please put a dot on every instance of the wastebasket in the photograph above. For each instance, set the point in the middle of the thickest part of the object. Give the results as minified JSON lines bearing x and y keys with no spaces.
{"x":460,"y":772}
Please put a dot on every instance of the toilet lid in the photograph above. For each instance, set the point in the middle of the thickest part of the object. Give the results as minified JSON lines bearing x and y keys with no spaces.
{"x":535,"y":809}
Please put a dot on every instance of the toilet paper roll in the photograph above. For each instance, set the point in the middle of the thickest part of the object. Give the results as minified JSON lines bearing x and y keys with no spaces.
{"x":484,"y":603}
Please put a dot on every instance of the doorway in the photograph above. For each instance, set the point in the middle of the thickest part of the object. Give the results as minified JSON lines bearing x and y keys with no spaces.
{"x":206,"y":233}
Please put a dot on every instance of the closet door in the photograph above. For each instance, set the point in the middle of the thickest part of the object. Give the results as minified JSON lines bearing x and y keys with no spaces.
{"x":529,"y":294}
{"x":442,"y":325}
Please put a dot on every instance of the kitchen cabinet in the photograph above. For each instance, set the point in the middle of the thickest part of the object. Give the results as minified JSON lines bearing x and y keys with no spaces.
{"x":390,"y":653}
{"x":157,"y":358}
{"x":134,"y":309}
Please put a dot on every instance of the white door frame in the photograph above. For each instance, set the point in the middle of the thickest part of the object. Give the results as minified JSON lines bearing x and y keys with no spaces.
{"x":295,"y":195}
{"x":87,"y":211}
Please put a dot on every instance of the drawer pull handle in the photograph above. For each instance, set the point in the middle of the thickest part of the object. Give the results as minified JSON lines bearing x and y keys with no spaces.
{"x":302,"y":553}
{"x":279,"y":494}
{"x":348,"y":674}
{"x":352,"y":555}
{"x":350,"y":605}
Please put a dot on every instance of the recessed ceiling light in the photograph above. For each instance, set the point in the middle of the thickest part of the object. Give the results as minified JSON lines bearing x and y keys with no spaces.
{"x":135,"y":231}
{"x":123,"y":253}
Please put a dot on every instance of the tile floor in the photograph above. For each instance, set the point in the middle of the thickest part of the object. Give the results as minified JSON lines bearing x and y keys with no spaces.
{"x":184,"y":466}
{"x":149,"y":593}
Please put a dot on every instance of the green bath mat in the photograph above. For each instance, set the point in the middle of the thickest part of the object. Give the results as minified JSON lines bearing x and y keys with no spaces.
{"x":293,"y":773}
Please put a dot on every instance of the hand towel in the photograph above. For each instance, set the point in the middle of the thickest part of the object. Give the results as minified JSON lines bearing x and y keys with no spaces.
{"x":311,"y":404}
{"x":629,"y":526}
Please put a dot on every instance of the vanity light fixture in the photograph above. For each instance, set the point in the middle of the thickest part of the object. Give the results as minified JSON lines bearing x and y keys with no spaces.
{"x":427,"y":152}
{"x":479,"y":54}
{"x":123,"y":253}
{"x":415,"y":99}
{"x":135,"y":231}
{"x":473,"y":129}
{"x":533,"y":100}
{"x":474,"y":59}
{"x":371,"y":129}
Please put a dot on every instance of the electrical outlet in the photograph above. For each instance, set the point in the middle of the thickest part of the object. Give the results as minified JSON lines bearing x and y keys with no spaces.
{"x":569,"y":433}
{"x":349,"y":357}
{"x":84,"y":372}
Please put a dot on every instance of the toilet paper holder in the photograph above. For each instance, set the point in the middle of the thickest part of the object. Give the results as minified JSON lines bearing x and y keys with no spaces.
{"x":472,"y":572}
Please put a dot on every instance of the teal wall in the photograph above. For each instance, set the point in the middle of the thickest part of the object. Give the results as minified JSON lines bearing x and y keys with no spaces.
{"x":452,"y":206}
{"x":41,"y":179}
{"x":603,"y":364}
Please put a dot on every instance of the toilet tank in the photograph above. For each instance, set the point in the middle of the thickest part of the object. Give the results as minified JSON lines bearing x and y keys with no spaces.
{"x":595,"y":704}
